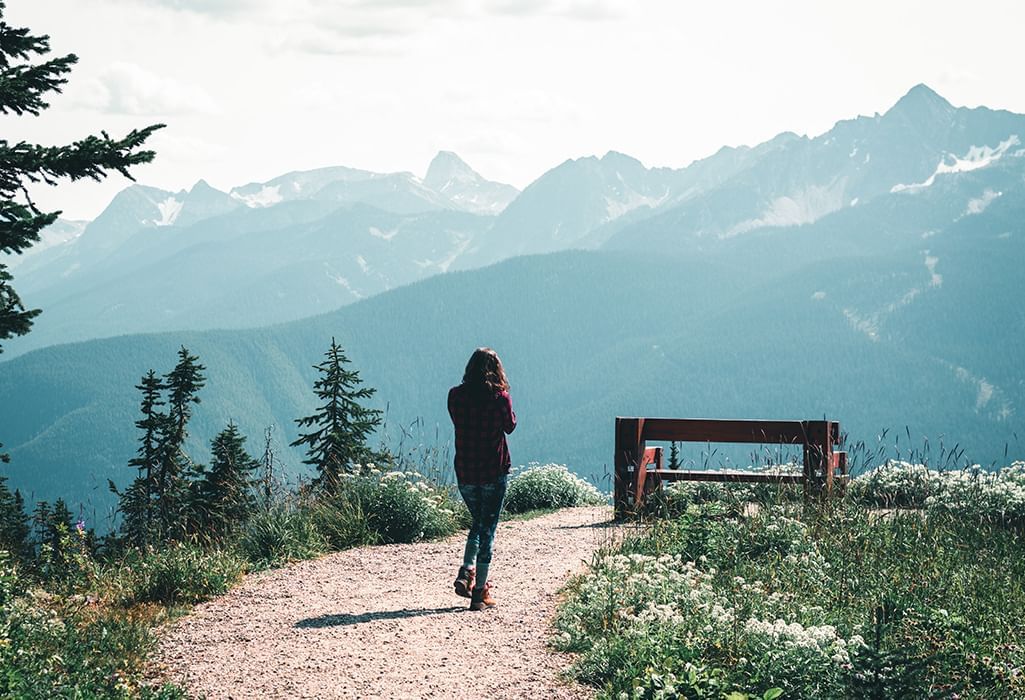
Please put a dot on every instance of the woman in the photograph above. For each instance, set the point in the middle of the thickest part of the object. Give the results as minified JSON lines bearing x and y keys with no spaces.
{"x":482,"y":414}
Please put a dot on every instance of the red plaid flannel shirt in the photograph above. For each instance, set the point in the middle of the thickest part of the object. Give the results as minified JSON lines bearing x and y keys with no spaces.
{"x":482,"y":453}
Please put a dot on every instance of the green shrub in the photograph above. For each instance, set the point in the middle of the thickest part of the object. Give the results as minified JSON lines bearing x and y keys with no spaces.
{"x":674,"y":498}
{"x":549,"y":486}
{"x":285,"y":532}
{"x":343,"y":523}
{"x":66,"y":565}
{"x":179,"y":574}
{"x":396,"y":507}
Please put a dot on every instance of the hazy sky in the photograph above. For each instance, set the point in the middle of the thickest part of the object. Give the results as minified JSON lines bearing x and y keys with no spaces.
{"x":251,"y":89}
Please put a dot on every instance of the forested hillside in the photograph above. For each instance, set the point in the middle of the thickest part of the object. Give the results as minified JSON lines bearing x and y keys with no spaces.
{"x":586,"y":337}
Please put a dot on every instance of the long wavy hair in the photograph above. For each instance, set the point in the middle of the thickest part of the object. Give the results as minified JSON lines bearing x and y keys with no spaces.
{"x":484,"y":374}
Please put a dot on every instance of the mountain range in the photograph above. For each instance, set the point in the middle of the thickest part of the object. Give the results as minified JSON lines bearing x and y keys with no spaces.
{"x":871,"y":274}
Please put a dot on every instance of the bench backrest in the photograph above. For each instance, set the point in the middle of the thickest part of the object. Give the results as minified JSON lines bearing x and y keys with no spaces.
{"x":816,"y":436}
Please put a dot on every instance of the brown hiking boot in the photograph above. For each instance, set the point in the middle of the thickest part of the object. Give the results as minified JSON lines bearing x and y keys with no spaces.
{"x":464,"y":581}
{"x":481,"y":598}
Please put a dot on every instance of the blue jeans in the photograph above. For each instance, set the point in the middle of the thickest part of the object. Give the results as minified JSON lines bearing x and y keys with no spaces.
{"x":484,"y":502}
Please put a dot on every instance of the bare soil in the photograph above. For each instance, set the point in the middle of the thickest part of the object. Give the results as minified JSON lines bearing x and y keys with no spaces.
{"x":384,"y":622}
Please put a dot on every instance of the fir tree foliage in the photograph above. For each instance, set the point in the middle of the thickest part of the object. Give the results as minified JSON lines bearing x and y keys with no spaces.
{"x":174,"y":466}
{"x":341,"y":426}
{"x":24,"y":85}
{"x":137,"y":505}
{"x":49,"y":521}
{"x":674,"y":456}
{"x":14,"y":523}
{"x":155,"y":506}
{"x":224,"y":495}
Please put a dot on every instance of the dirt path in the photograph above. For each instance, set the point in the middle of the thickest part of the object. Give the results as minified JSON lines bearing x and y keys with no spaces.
{"x":383,"y":622}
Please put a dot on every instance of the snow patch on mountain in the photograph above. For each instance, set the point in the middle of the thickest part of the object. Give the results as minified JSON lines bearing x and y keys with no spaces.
{"x":869,"y":325}
{"x":342,"y":281}
{"x":615,"y":207}
{"x":987,"y":394}
{"x":385,"y":235}
{"x":803,"y":207}
{"x":169,"y":210}
{"x":362,"y":262}
{"x":979,"y":204}
{"x":266,"y":196}
{"x":458,"y":250}
{"x":935,"y":279}
{"x":977,"y":157}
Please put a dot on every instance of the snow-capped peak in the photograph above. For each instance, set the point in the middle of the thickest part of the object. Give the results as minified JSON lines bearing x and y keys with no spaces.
{"x":264,"y":197}
{"x":977,"y":157}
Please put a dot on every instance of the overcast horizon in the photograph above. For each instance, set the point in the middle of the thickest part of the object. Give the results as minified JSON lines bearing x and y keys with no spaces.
{"x":251,"y":89}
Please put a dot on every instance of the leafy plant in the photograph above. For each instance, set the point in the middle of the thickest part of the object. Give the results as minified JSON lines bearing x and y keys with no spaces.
{"x":285,"y":532}
{"x":549,"y":486}
{"x":180,"y":574}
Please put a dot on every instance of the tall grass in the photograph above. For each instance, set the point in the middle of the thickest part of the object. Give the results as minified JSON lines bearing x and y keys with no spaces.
{"x":81,"y":627}
{"x":833,"y":601}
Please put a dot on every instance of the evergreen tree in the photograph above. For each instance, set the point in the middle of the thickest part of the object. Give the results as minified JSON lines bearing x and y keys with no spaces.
{"x":41,"y":522}
{"x":341,"y":424}
{"x":155,"y":506}
{"x":674,"y":456}
{"x":14,"y":523}
{"x":23,"y":87}
{"x":170,"y":485}
{"x":224,"y":496}
{"x":136,"y":503}
{"x":50,"y":520}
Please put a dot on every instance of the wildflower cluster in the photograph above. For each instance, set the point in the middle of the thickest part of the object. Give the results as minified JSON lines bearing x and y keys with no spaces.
{"x":795,"y":657}
{"x":996,"y":496}
{"x":549,"y":486}
{"x":805,"y":601}
{"x":403,"y":506}
{"x":674,"y":498}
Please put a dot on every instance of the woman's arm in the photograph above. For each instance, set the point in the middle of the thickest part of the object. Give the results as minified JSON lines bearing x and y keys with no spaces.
{"x":509,"y":419}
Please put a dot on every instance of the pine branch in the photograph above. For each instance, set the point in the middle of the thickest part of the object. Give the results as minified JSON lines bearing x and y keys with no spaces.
{"x":20,"y":225}
{"x":14,"y":319}
{"x":89,"y":158}
{"x":16,"y":42}
{"x":22,"y":87}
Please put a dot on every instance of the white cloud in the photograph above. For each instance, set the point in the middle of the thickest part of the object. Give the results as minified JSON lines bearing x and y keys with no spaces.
{"x":126,"y":88}
{"x":212,"y":7}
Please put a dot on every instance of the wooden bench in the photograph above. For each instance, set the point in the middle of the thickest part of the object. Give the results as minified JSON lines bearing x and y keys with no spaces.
{"x":639,"y":470}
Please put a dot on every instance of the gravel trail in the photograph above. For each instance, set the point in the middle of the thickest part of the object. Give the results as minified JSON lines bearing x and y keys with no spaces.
{"x":383,"y":622}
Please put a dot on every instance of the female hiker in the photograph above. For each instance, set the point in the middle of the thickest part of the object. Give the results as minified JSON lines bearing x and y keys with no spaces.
{"x":482,"y":414}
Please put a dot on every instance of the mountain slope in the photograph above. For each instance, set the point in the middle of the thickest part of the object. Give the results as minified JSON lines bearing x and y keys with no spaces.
{"x":815,"y":330}
{"x":294,"y":246}
{"x":800,"y":180}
